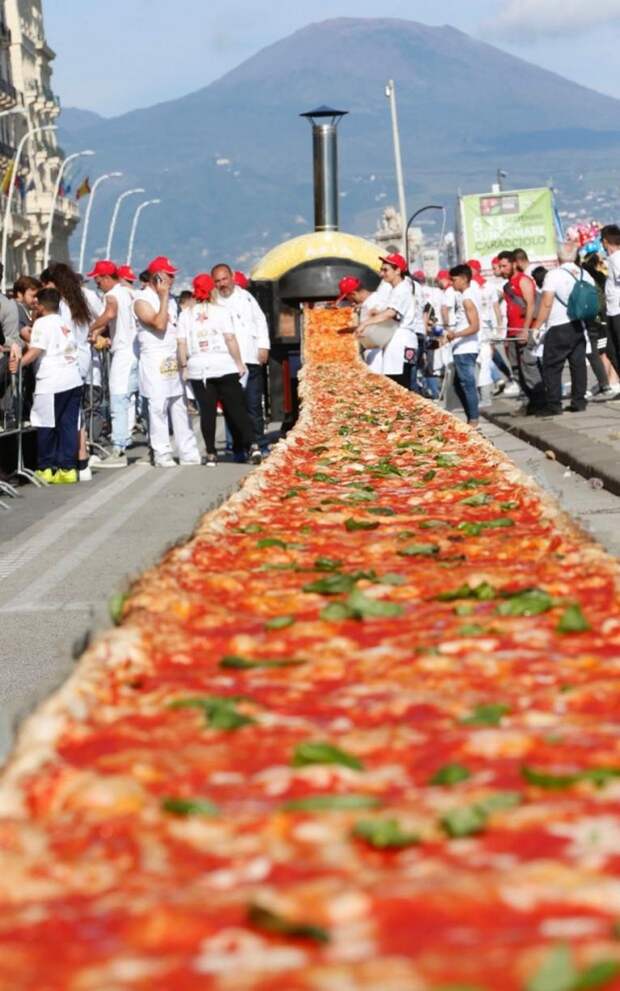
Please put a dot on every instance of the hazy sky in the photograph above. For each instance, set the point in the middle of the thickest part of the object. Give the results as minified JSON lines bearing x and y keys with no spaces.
{"x":124,"y":54}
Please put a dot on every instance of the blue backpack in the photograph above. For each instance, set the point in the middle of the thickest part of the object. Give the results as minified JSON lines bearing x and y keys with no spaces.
{"x":583,"y":302}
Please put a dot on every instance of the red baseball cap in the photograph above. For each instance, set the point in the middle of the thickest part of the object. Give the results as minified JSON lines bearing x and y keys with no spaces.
{"x":241,"y":280}
{"x":126,"y":272}
{"x":444,"y":273}
{"x":495,"y":261}
{"x":203,"y":285}
{"x":161,"y":264}
{"x":103,"y":268}
{"x":419,"y":274}
{"x":346,"y":286}
{"x":474,"y":264}
{"x":397,"y":261}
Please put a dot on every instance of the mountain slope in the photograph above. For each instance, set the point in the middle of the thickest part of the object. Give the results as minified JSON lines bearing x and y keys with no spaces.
{"x":232,"y":161}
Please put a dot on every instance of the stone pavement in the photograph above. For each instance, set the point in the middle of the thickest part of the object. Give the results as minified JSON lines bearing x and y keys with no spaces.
{"x":588,"y":442}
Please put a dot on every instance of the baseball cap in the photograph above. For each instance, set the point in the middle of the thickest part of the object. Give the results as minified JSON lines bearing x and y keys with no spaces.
{"x":419,"y":275}
{"x":444,"y":273}
{"x":346,"y":286}
{"x":397,"y":261}
{"x":203,"y":285}
{"x":161,"y":264}
{"x":103,"y":268}
{"x":474,"y":264}
{"x":495,"y":261}
{"x":241,"y":280}
{"x":126,"y":272}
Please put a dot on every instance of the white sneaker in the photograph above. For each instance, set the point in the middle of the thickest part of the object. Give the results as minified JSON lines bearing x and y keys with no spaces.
{"x":512,"y":390}
{"x":192,"y":461}
{"x":255,"y":455}
{"x":614,"y":390}
{"x":165,"y":462}
{"x":114,"y":461}
{"x":95,"y":460}
{"x":85,"y":474}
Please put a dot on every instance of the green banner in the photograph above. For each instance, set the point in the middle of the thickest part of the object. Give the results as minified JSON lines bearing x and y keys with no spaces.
{"x":522,"y":218}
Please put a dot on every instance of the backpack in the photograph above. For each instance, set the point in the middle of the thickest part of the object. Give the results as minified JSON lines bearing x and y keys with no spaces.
{"x":583,"y":302}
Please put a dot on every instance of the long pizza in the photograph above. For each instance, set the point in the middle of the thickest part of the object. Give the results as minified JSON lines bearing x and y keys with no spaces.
{"x":359,"y":734}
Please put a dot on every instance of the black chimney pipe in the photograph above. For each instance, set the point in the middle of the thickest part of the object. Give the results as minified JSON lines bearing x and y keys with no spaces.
{"x":324,"y":121}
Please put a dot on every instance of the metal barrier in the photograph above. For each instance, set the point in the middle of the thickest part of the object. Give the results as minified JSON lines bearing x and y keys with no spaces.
{"x":13,"y":424}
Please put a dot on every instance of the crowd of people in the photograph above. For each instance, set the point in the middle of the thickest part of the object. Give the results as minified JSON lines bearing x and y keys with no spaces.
{"x":511,"y":332}
{"x":166,"y":360}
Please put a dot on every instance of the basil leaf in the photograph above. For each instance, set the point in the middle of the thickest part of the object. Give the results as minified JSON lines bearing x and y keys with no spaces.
{"x":471,"y":529}
{"x":381,"y":511}
{"x":405,"y":534}
{"x":598,"y":776}
{"x":219,"y":710}
{"x":331,"y":803}
{"x":292,"y":493}
{"x":189,"y":806}
{"x":363,"y":606}
{"x":336,"y":611}
{"x":413,"y":445}
{"x":333,"y":584}
{"x":392,"y":578}
{"x":572,"y":620}
{"x":450,"y":774}
{"x":321,"y":476}
{"x":474,"y":483}
{"x":511,"y":504}
{"x":250,"y":528}
{"x":272,"y":542}
{"x":352,"y":524}
{"x":499,"y":801}
{"x":277,"y":925}
{"x":384,"y":834}
{"x":498,"y":523}
{"x":597,"y":975}
{"x":483,"y":592}
{"x":279,"y":622}
{"x":531,"y":602}
{"x":327,"y":564}
{"x":385,"y":467}
{"x":360,"y":497}
{"x":447,"y":460}
{"x":480,"y":499}
{"x":415,"y":550}
{"x":316,"y":752}
{"x":246,"y":664}
{"x":429,"y":475}
{"x":432,"y":524}
{"x":470,"y":630}
{"x":556,"y":973}
{"x":465,"y":609}
{"x":466,"y":821}
{"x":115,"y":608}
{"x":486,"y":714}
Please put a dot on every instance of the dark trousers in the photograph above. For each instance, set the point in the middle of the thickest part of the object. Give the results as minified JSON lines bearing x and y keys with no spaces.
{"x":596,"y":363}
{"x":254,"y":402}
{"x":565,"y":342}
{"x":399,"y":379}
{"x":57,"y":446}
{"x":228,"y":391}
{"x":527,"y":367}
{"x":613,"y":341}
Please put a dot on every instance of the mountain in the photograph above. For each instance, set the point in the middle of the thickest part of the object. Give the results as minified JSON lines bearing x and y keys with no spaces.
{"x":75,"y":120}
{"x":232,"y":161}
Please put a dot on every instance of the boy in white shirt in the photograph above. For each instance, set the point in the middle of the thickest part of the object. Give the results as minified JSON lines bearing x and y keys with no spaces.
{"x":56,"y":407}
{"x":465,"y":343}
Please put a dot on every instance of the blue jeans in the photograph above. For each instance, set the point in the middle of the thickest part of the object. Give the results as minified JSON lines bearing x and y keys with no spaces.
{"x":465,"y":384}
{"x":119,"y":411}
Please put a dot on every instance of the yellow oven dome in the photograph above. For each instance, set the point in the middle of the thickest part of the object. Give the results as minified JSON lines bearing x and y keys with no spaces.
{"x":313,"y":247}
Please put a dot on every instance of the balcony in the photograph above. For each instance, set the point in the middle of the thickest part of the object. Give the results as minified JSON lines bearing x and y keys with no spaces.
{"x":7,"y":154}
{"x":5,"y":35}
{"x":8,"y":95}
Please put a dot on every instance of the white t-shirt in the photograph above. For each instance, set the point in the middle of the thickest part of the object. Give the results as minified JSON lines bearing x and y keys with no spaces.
{"x":203,"y":327}
{"x":373,"y":357}
{"x":158,"y":368}
{"x":123,"y":331}
{"x":58,"y":368}
{"x":449,"y":302}
{"x":561,"y":282}
{"x":612,"y":286}
{"x":402,"y":301}
{"x":466,"y":345}
{"x":249,"y":323}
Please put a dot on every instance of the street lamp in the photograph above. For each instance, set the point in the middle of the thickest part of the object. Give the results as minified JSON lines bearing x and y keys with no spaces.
{"x":117,"y":206}
{"x":134,"y":226}
{"x":97,"y":182}
{"x":9,"y":198}
{"x":50,"y":223}
{"x":390,"y":92}
{"x":431,"y":206}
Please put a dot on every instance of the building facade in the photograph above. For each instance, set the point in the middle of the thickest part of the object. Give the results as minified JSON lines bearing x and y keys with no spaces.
{"x":26,"y":91}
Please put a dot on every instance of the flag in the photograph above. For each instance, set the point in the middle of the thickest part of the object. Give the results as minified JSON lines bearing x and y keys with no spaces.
{"x":83,"y":189}
{"x":61,"y":189}
{"x":67,"y":189}
{"x":20,"y":186}
{"x":31,"y":186}
{"x":6,"y":182}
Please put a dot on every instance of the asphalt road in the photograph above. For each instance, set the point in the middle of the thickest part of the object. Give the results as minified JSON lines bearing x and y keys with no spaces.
{"x":65,"y":551}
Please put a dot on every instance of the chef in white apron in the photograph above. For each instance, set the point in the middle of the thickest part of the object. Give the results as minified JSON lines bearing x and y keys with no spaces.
{"x":399,"y":306}
{"x":118,"y":318}
{"x":158,"y":369}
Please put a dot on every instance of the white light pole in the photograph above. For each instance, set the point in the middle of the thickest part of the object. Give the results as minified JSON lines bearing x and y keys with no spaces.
{"x":117,"y":206}
{"x":50,"y":223}
{"x":134,"y":226}
{"x":97,"y":182}
{"x":9,"y":198}
{"x":390,"y":92}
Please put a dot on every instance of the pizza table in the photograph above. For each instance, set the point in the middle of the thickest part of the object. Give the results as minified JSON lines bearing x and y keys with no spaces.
{"x":359,"y":734}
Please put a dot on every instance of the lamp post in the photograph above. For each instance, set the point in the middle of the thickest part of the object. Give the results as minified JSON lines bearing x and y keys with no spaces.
{"x":50,"y":223}
{"x":9,"y":197}
{"x":431,"y":206}
{"x":97,"y":182}
{"x":134,"y":226}
{"x":390,"y":92}
{"x":117,"y":206}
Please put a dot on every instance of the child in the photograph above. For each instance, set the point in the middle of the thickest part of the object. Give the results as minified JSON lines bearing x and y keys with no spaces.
{"x":58,"y":388}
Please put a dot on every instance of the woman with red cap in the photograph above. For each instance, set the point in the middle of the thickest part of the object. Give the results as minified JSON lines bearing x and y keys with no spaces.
{"x":399,"y":306}
{"x":211,"y":361}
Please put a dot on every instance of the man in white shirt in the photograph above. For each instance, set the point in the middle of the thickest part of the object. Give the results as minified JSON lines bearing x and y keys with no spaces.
{"x":158,"y":368}
{"x":118,"y":317}
{"x":250,"y":326}
{"x":464,"y":340}
{"x":610,"y":236}
{"x":565,"y":339}
{"x":56,"y":406}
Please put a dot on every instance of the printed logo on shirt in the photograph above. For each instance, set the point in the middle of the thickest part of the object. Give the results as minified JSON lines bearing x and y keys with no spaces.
{"x":169,"y":368}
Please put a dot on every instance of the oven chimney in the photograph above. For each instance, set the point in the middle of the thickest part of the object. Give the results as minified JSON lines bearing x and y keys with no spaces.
{"x":324,"y":121}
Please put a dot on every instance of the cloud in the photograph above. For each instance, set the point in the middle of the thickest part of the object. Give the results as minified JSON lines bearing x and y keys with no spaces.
{"x":527,"y":20}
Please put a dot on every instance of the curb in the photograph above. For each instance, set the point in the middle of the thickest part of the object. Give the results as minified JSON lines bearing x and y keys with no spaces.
{"x":589,"y":458}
